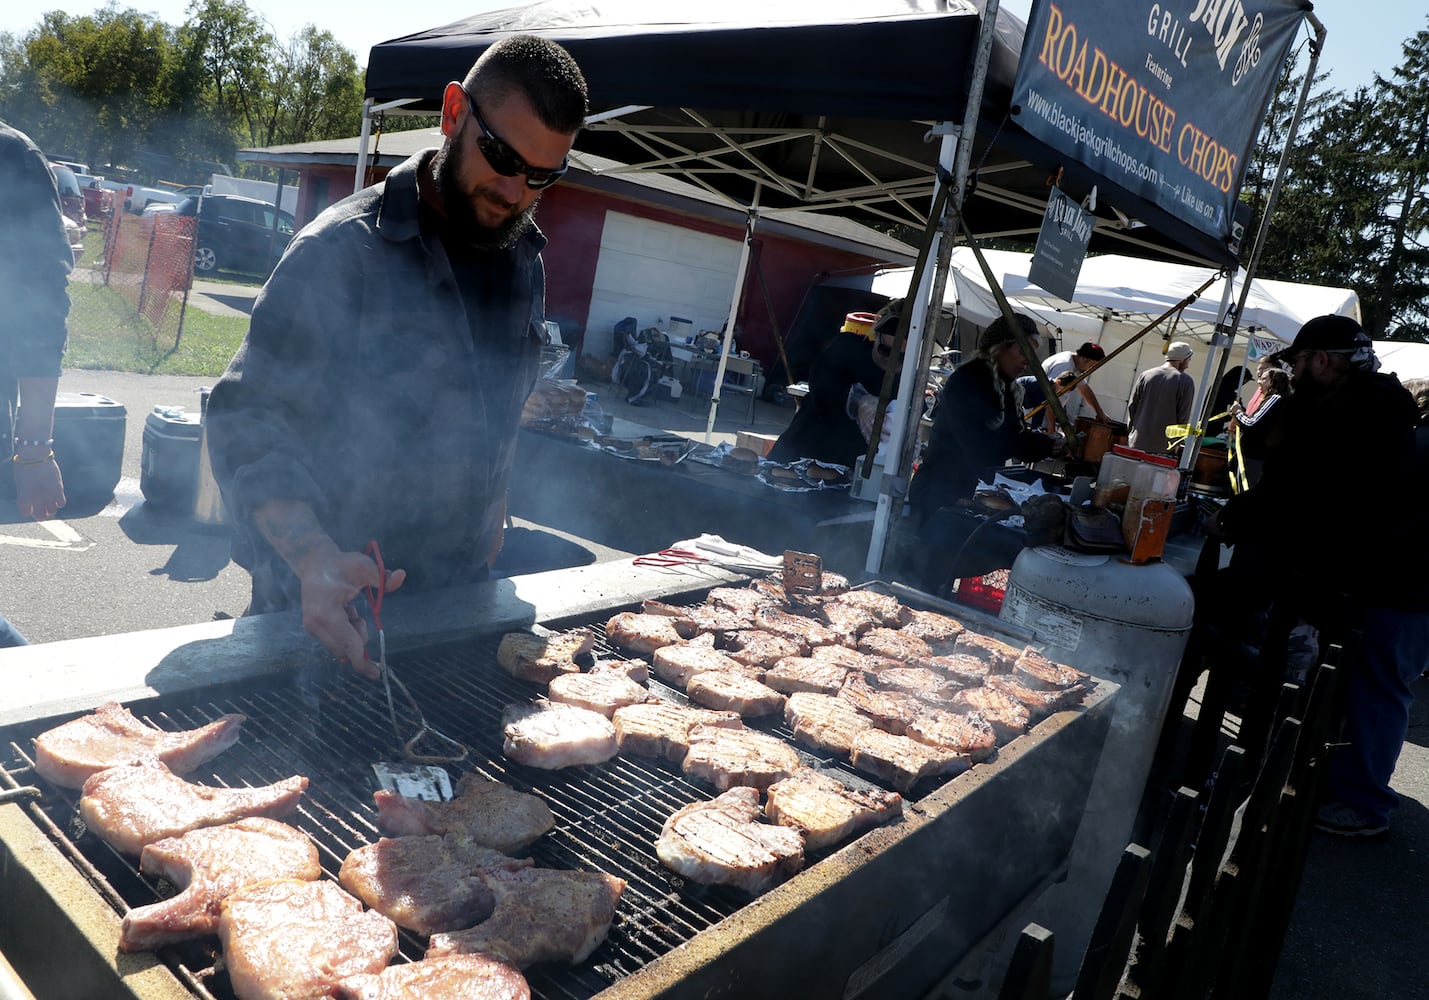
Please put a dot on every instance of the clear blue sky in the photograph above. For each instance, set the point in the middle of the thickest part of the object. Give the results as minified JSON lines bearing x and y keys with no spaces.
{"x":1364,"y":36}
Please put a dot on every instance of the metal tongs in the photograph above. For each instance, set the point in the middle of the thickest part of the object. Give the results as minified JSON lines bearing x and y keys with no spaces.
{"x":449,"y":751}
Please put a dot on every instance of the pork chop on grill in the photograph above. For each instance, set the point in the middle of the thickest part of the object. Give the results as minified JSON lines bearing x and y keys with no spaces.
{"x":801,"y":628}
{"x":1008,"y":717}
{"x":111,"y":735}
{"x":540,"y":658}
{"x":1037,"y":672}
{"x":426,"y":884}
{"x":1040,"y":703}
{"x":675,"y":665}
{"x":890,"y":710}
{"x":741,"y":599}
{"x":824,"y":722}
{"x":852,"y":658}
{"x":208,"y":864}
{"x":601,"y":692}
{"x":660,"y":729}
{"x":729,"y":757}
{"x":637,"y":633}
{"x":962,"y":669}
{"x":903,"y":761}
{"x":541,"y":915}
{"x":964,"y":732}
{"x":939,"y":631}
{"x":758,"y":648}
{"x":722,"y":842}
{"x":894,"y":644}
{"x":702,"y":618}
{"x":490,"y":813}
{"x":734,"y":692}
{"x":999,"y":655}
{"x":635,"y":670}
{"x":551,"y":736}
{"x":133,"y":805}
{"x":825,"y":810}
{"x":849,"y":620}
{"x":890,"y":612}
{"x":804,"y":673}
{"x":451,"y":977}
{"x":923,"y":683}
{"x":283,"y":939}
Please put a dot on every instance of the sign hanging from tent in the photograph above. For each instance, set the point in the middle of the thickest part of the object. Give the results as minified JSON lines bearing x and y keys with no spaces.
{"x":1163,"y":100}
{"x":1061,"y":246}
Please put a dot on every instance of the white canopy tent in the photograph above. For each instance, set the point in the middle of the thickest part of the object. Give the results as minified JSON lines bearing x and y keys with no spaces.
{"x":1405,"y":360}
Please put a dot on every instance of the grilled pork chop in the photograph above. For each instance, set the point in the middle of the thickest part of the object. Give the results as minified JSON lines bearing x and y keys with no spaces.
{"x":660,"y":729}
{"x":722,"y":842}
{"x":675,"y":665}
{"x":851,"y":658}
{"x":1008,"y":717}
{"x":923,"y":683}
{"x":741,"y":600}
{"x":490,"y":813}
{"x":803,"y":673}
{"x":635,"y":670}
{"x":802,"y":629}
{"x":451,"y":977}
{"x":890,"y":613}
{"x":133,"y":805}
{"x":551,"y":736}
{"x":1040,"y":704}
{"x":541,"y":915}
{"x":964,"y":732}
{"x":601,"y":692}
{"x":758,"y":648}
{"x":939,"y":631}
{"x":890,"y":710}
{"x":1037,"y":672}
{"x":541,"y":658}
{"x":703,"y":618}
{"x":110,"y":735}
{"x":734,"y":692}
{"x":849,"y":620}
{"x":825,"y":722}
{"x":283,"y":939}
{"x":825,"y":810}
{"x":893,"y":644}
{"x":426,"y":884}
{"x":961,"y":668}
{"x":729,"y":757}
{"x":903,"y":761}
{"x":639,"y":633}
{"x":206,"y":865}
{"x":999,"y":655}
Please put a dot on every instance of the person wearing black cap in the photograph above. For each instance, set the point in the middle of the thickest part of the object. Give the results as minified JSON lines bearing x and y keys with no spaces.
{"x":834,"y":420}
{"x":1061,"y":369}
{"x":978,"y":424}
{"x":1347,"y":449}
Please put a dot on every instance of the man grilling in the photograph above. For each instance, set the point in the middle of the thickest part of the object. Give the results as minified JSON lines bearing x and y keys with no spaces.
{"x":378,"y":392}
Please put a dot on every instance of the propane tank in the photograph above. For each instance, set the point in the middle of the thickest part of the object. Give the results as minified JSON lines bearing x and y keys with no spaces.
{"x":1120,"y":622}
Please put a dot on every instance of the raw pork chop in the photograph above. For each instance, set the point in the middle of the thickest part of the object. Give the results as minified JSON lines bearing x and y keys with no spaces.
{"x":722,"y":842}
{"x":426,"y":884}
{"x":452,"y":977}
{"x":133,"y":805}
{"x":111,"y":735}
{"x":825,"y":722}
{"x":539,"y":658}
{"x":551,"y":736}
{"x":825,"y":810}
{"x":541,"y":915}
{"x":1008,"y":716}
{"x":646,"y":633}
{"x":939,"y":631}
{"x":734,"y":692}
{"x":675,"y":665}
{"x":902,"y":761}
{"x":284,"y":939}
{"x":729,"y":757}
{"x":490,"y":813}
{"x":207,"y":864}
{"x":964,"y":732}
{"x":804,"y":673}
{"x":601,"y":692}
{"x":660,"y":729}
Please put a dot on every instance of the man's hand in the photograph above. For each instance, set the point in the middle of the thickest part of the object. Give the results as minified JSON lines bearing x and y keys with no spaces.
{"x":39,"y":489}
{"x":331,"y":579}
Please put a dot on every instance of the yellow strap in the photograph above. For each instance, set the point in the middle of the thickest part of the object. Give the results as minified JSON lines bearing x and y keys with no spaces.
{"x":1239,"y":481}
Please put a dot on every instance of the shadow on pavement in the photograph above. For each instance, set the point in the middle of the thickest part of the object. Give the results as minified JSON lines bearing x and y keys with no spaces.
{"x":526,"y":550}
{"x":200,"y":552}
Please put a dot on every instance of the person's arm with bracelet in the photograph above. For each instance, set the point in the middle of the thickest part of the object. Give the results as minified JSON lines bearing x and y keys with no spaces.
{"x":39,"y":487}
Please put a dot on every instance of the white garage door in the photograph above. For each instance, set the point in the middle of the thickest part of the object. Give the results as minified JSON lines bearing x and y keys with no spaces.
{"x":652,"y":271}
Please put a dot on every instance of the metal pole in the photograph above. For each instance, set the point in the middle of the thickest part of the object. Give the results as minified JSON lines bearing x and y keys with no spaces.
{"x":362,"y":140}
{"x":751,"y":219}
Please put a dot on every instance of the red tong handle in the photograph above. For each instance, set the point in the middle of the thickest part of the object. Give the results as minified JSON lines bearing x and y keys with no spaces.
{"x":375,"y":599}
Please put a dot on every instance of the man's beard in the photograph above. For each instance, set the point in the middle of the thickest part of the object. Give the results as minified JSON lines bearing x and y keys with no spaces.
{"x":462,"y":222}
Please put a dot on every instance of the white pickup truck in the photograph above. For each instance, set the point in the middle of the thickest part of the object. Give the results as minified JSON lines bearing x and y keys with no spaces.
{"x":136,"y":197}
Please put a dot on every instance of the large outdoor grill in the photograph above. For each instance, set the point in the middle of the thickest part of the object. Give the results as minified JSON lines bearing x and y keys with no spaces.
{"x":886,"y":915}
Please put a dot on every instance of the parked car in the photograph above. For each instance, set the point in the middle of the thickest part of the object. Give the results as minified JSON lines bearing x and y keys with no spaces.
{"x":98,"y":200}
{"x":74,"y":233}
{"x":71,"y":197}
{"x":236,"y":233}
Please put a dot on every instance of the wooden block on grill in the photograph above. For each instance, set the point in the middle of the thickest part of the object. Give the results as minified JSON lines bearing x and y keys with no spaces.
{"x":803,"y":572}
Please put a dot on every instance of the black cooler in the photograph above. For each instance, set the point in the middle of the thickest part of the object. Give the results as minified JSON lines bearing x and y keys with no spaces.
{"x":89,"y":445}
{"x":168,"y":475}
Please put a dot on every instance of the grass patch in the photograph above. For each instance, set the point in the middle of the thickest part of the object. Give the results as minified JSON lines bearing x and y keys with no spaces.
{"x":106,"y":334}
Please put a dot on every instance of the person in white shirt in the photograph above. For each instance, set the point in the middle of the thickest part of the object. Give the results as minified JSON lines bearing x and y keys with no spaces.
{"x":1061,"y":369}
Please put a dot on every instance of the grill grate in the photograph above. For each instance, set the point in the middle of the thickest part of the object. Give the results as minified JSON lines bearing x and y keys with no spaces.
{"x":331,"y":726}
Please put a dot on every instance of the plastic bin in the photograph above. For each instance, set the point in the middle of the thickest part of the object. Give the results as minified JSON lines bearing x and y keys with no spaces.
{"x":168,"y":474}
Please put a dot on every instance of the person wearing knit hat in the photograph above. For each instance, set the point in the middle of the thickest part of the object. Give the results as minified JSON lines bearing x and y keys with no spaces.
{"x":977,"y":425}
{"x":1162,"y":396}
{"x":1061,"y":369}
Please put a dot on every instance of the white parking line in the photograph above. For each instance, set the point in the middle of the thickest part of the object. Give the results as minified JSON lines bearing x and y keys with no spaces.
{"x":65,"y":537}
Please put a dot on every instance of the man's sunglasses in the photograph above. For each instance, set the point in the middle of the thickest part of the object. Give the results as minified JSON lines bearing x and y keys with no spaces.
{"x":505,"y":160}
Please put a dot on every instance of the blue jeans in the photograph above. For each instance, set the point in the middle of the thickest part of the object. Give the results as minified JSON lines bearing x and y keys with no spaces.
{"x":1391,"y":653}
{"x":9,"y":635}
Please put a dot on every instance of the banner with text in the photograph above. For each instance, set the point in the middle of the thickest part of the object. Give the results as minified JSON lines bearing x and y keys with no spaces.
{"x":1162,"y":99}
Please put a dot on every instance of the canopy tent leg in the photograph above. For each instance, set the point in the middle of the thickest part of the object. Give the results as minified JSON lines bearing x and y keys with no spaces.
{"x":751,"y":220}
